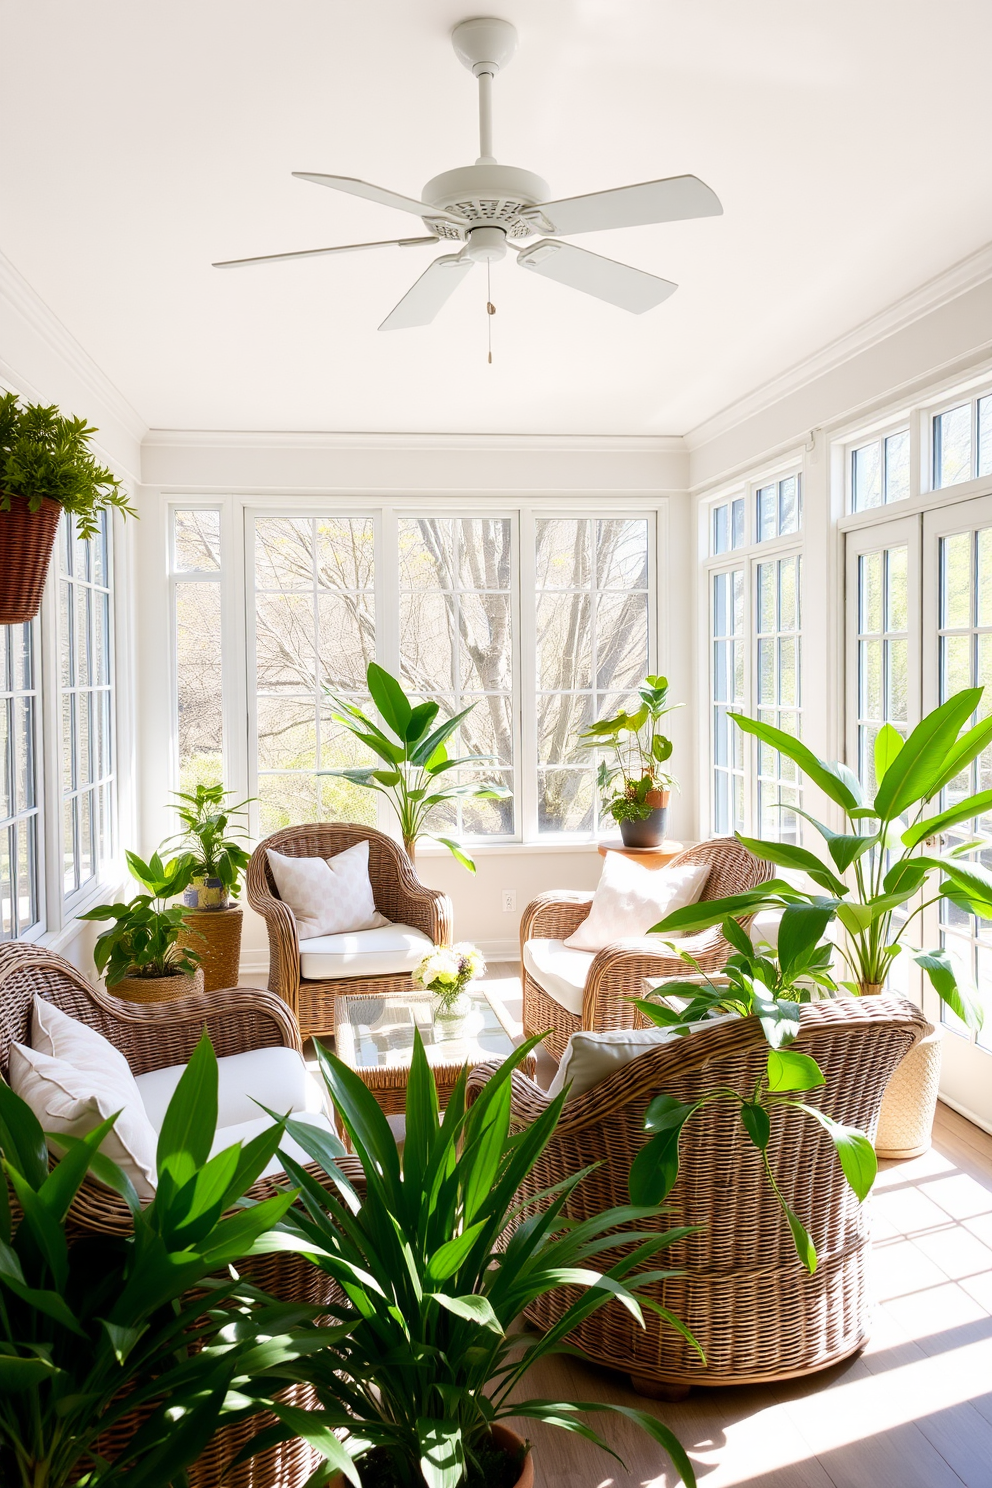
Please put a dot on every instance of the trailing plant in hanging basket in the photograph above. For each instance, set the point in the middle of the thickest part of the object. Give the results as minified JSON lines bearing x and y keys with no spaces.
{"x":46,"y":467}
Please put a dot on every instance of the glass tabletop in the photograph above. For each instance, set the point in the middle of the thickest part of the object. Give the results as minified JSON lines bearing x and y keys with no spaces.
{"x":377,"y":1032}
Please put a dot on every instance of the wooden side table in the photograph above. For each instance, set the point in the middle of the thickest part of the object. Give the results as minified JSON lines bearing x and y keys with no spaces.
{"x":648,"y":857}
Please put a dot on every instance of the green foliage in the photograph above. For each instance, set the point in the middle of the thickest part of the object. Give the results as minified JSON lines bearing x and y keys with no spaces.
{"x":639,"y":748}
{"x":142,"y":939}
{"x":92,"y":1327}
{"x":882,"y":851}
{"x":44,"y":454}
{"x":768,"y":988}
{"x":416,"y":759}
{"x":655,"y":1170}
{"x":209,"y":836}
{"x":436,"y":1262}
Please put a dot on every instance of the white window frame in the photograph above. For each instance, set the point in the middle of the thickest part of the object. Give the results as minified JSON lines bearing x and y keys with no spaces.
{"x":38,"y":714}
{"x":878,"y":434}
{"x":970,"y":393}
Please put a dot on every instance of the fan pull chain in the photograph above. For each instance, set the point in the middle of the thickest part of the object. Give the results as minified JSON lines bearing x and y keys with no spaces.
{"x":490,"y":308}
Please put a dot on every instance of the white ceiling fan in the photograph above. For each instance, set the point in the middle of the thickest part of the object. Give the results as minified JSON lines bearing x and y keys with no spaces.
{"x":487,"y":208}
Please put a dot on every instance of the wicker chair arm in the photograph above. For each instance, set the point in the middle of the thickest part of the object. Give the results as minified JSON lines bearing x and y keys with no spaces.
{"x":527,"y":1099}
{"x":555,"y":915}
{"x":425,"y":909}
{"x":618,"y":972}
{"x":280,"y":923}
{"x":155,"y":1035}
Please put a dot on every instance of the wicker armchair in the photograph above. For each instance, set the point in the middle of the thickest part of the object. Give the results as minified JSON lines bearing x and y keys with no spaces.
{"x":617,"y":971}
{"x":155,"y":1036}
{"x":743,"y":1293}
{"x":398,"y":893}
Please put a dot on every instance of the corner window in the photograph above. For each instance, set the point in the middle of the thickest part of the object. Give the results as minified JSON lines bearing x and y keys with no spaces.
{"x":20,"y":908}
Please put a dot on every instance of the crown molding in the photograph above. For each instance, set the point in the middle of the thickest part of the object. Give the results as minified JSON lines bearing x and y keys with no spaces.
{"x":970,"y":272}
{"x":658,"y":444}
{"x":26,"y":302}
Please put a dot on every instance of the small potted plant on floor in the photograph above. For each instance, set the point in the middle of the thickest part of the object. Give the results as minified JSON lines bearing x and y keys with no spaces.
{"x":421,"y":1372}
{"x":140,"y":954}
{"x":46,"y":467}
{"x":213,"y":835}
{"x":636,"y":789}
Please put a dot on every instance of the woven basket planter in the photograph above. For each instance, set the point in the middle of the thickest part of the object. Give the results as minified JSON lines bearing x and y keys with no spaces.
{"x":508,"y":1441}
{"x":905,"y":1121}
{"x":26,"y":541}
{"x":157,"y":989}
{"x":215,"y":934}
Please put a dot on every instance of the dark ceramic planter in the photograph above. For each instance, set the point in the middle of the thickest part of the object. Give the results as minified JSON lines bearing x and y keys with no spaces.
{"x":647,"y":833}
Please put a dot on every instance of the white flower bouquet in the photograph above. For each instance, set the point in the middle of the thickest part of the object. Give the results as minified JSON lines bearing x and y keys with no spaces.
{"x":447,"y":970}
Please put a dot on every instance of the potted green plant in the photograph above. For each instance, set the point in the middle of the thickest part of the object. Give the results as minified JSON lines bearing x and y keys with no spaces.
{"x":875,"y":869}
{"x":46,"y":467}
{"x":213,"y":835}
{"x":639,"y":803}
{"x":140,"y":954}
{"x":436,"y":1263}
{"x":104,"y":1337}
{"x":417,"y":777}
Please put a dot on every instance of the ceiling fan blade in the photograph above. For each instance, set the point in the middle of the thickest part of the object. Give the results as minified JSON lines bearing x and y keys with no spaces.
{"x":604,"y":278}
{"x":671,"y":200}
{"x":237,"y":263}
{"x":424,"y":299}
{"x":379,"y":194}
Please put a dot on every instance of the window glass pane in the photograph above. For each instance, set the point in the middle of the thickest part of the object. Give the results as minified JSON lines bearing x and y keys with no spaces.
{"x":767,"y":512}
{"x":956,"y":577}
{"x":721,"y":529}
{"x":737,"y":522}
{"x":197,"y":541}
{"x":788,"y":505}
{"x":456,"y":648}
{"x":727,"y":639}
{"x":198,"y":678}
{"x":592,"y":649}
{"x":985,"y":436}
{"x":952,"y":446}
{"x":314,"y":635}
{"x":778,"y":692}
{"x":19,"y":717}
{"x":867,"y":476}
{"x":897,"y":466}
{"x":87,"y":707}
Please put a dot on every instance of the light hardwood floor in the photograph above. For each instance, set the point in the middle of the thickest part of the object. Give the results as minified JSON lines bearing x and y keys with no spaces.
{"x":914,"y":1410}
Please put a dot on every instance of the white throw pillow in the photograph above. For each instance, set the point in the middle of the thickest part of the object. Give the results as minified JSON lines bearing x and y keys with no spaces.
{"x":61,"y":1036}
{"x":328,"y":896}
{"x":631,"y":899}
{"x":74,"y":1099}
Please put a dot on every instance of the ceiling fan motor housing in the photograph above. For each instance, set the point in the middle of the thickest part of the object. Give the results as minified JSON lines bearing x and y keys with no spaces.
{"x":487,"y":196}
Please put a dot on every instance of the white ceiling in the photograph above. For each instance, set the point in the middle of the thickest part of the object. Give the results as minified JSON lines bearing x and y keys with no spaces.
{"x":848,"y":141}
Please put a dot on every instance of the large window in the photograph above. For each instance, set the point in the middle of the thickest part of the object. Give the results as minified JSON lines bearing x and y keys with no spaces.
{"x":755,"y":660}
{"x":87,"y":704}
{"x":592,"y":650}
{"x":19,"y":814}
{"x":196,"y":606}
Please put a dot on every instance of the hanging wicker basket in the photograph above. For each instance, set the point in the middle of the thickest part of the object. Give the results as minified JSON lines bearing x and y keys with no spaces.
{"x":26,"y":542}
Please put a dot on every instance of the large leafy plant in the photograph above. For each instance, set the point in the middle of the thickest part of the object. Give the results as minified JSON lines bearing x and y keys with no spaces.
{"x":638,"y":751}
{"x":142,"y":941}
{"x":93,"y":1327}
{"x":417,"y":777}
{"x":436,"y":1262}
{"x":884,"y":852}
{"x":42,"y":453}
{"x":211,"y":836}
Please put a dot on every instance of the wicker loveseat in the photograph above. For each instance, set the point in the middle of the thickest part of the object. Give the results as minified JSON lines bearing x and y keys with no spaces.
{"x":602,"y":984}
{"x":399,"y":896}
{"x":155,"y":1036}
{"x":743,"y":1293}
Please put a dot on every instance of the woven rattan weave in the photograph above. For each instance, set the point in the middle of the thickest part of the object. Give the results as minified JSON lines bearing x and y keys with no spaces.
{"x":618,"y":970}
{"x":215,"y":934}
{"x":398,"y":894}
{"x":155,"y":1036}
{"x":754,"y":1310}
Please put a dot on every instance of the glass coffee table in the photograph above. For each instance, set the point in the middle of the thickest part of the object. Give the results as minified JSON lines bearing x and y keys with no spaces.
{"x":374,"y":1036}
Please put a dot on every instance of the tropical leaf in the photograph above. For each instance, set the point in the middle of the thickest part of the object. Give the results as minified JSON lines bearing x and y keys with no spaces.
{"x":943,"y":978}
{"x":389,"y":698}
{"x":787,"y":1070}
{"x":835,"y":780}
{"x":888,"y":742}
{"x":933,"y":826}
{"x":919,"y":764}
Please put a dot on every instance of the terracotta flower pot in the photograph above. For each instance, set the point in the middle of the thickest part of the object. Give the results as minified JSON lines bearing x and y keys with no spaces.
{"x":26,"y":541}
{"x":507,"y":1440}
{"x":158,"y":989}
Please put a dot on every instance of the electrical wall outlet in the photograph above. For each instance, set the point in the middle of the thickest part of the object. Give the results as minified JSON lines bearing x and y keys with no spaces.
{"x":509,"y":901}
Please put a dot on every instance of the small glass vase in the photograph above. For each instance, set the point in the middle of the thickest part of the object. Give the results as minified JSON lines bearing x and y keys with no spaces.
{"x":450,"y":1013}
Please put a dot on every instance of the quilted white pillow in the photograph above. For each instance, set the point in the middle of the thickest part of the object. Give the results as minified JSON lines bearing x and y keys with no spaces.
{"x":74,"y":1099}
{"x":328,"y":896}
{"x":631,"y":899}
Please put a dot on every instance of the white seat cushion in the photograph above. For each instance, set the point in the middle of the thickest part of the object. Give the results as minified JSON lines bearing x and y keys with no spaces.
{"x":244,"y":1131}
{"x":590,"y":1058}
{"x":561,"y":972}
{"x":389,"y":951}
{"x":277,"y":1077}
